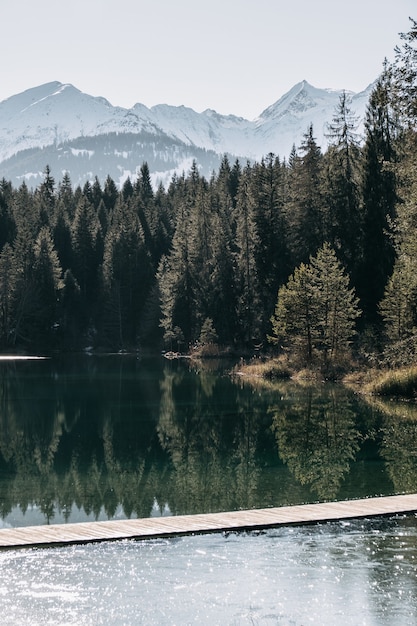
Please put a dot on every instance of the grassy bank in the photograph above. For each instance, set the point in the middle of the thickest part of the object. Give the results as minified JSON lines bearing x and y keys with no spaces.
{"x":270,"y":369}
{"x":400,"y":383}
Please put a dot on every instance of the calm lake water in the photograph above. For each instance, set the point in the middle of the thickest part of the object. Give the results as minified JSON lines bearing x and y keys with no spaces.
{"x":87,"y":438}
{"x":114,"y":437}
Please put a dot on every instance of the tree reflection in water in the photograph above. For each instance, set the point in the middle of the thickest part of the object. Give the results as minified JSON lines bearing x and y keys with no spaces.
{"x":103,"y":437}
{"x":317,"y":437}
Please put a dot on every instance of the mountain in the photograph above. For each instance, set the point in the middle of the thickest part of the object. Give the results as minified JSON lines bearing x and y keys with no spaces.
{"x":58,"y":125}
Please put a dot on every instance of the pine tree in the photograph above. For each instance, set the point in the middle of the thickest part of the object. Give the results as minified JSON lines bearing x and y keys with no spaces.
{"x":47,"y":277}
{"x":7,"y":224}
{"x":87,"y":257}
{"x":343,"y":195}
{"x":305,"y":210}
{"x":25,"y":291}
{"x":144,"y":198}
{"x":398,"y":307}
{"x":7,"y":290}
{"x":405,"y":75}
{"x":176,"y":287}
{"x":337,"y":305}
{"x":71,"y":314}
{"x":127,"y":277}
{"x":316,"y":311}
{"x":292,"y":321}
{"x":222,"y":279}
{"x":272,"y":255}
{"x":379,"y":198}
{"x":110,"y":194}
{"x":45,"y":199}
{"x":247,"y":279}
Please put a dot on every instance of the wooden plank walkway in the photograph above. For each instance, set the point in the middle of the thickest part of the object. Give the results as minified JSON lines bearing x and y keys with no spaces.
{"x":153,"y":527}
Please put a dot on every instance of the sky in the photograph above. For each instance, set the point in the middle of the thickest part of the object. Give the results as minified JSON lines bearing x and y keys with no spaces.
{"x":233,"y":56}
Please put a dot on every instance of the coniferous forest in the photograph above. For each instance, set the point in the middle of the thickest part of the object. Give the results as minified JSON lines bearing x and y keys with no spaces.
{"x":315,"y":254}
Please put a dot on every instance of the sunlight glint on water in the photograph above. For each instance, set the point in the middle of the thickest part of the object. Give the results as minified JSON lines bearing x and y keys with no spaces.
{"x":355,"y":573}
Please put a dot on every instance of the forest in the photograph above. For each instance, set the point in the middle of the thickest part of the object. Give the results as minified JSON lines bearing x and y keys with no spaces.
{"x":314,"y":255}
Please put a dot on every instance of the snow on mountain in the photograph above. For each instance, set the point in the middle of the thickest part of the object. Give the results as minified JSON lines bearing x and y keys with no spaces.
{"x":60,"y":122}
{"x":55,"y":113}
{"x":284,"y":123}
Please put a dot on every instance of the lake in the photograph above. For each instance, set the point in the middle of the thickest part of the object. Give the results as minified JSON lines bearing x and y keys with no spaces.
{"x":106,"y":437}
{"x":87,"y":438}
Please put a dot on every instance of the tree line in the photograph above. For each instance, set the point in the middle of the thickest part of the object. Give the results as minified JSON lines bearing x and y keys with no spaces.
{"x":230,"y":260}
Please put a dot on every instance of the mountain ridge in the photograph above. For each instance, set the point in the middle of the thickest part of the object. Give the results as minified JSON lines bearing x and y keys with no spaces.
{"x":50,"y":117}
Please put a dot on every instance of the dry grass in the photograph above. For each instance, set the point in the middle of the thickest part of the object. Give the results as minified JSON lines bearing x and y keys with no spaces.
{"x":401,"y":383}
{"x":272,"y":369}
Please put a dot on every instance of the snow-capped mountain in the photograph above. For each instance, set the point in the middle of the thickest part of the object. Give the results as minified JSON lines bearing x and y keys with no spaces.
{"x":58,"y":125}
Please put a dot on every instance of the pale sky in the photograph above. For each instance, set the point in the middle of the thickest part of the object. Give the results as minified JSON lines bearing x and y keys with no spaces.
{"x":234,"y":56}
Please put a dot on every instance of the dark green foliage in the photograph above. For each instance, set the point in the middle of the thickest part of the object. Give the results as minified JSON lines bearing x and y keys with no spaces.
{"x":343,"y":186}
{"x":379,"y":198}
{"x":127,"y":276}
{"x":305,"y":207}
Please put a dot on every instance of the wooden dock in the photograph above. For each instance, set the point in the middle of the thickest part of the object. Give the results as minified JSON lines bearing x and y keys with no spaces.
{"x":153,"y":527}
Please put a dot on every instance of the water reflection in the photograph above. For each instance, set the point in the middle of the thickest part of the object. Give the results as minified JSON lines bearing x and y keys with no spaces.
{"x":318,"y":437}
{"x":104,"y":437}
{"x":399,"y":442}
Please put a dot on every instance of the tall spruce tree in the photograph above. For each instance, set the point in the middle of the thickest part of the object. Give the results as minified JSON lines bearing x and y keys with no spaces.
{"x":47,"y":277}
{"x":249,"y":310}
{"x":176,"y":287}
{"x":127,"y":277}
{"x":271,"y":253}
{"x":343,"y":190}
{"x":7,"y":294}
{"x":405,"y":75}
{"x":305,"y":210}
{"x":379,"y":198}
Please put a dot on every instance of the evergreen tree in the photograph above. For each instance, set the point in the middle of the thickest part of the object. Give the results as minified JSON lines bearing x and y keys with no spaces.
{"x":399,"y":304}
{"x":292,"y":321}
{"x":127,"y":189}
{"x":96,"y":196}
{"x":316,"y":310}
{"x":66,"y":198}
{"x":222,"y":279}
{"x":247,"y":279}
{"x":127,"y":276}
{"x":45,"y":199}
{"x":110,"y":194}
{"x":379,"y":198}
{"x":305,"y":209}
{"x":405,"y":75}
{"x":144,"y":197}
{"x":337,"y":306}
{"x":85,"y":231}
{"x":71,"y":314}
{"x":7,"y":224}
{"x":272,"y":256}
{"x":343,"y":195}
{"x":25,"y":292}
{"x":177,"y":289}
{"x":62,"y":236}
{"x":47,"y":276}
{"x":7,"y":290}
